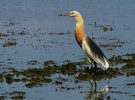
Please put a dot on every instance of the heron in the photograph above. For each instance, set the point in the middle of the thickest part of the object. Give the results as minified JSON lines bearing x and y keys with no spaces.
{"x":90,"y":48}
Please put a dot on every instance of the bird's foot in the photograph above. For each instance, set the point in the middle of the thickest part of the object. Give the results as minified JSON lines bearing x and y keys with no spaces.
{"x":86,"y":69}
{"x":93,"y":69}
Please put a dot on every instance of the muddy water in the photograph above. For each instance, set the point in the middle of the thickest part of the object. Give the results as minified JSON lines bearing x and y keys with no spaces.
{"x":40,"y":58}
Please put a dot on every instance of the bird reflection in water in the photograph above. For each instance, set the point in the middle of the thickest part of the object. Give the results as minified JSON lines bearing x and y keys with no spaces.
{"x":98,"y":94}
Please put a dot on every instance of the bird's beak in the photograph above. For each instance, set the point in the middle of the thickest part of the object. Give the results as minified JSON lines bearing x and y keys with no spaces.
{"x":67,"y":14}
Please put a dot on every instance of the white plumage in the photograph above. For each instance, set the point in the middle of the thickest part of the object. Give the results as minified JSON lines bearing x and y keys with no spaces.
{"x":93,"y":52}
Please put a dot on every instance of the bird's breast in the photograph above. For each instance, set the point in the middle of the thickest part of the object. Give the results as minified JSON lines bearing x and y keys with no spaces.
{"x":79,"y":35}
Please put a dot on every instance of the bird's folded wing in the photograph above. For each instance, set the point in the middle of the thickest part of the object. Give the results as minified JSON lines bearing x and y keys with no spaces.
{"x":94,"y":52}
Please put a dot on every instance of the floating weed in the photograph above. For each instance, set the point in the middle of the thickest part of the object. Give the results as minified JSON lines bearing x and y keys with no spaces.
{"x":37,"y":81}
{"x":22,"y":33}
{"x":17,"y":95}
{"x":33,"y":62}
{"x":69,"y":69}
{"x":133,"y":95}
{"x":98,"y":74}
{"x":60,"y":33}
{"x":130,"y":84}
{"x":58,"y":82}
{"x":114,"y":44}
{"x":10,"y":44}
{"x":38,"y":76}
{"x":34,"y":77}
{"x":1,"y":78}
{"x":130,"y":72}
{"x":107,"y":28}
{"x":129,"y":63}
{"x":9,"y":78}
{"x":2,"y":35}
{"x":61,"y":88}
{"x":49,"y":63}
{"x":104,"y":27}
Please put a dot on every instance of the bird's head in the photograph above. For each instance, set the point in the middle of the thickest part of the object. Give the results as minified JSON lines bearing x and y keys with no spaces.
{"x":71,"y":14}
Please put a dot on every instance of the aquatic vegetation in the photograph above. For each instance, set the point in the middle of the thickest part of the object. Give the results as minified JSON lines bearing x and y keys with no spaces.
{"x":38,"y":76}
{"x":98,"y":74}
{"x":22,"y":33}
{"x":32,"y":62}
{"x":106,"y":29}
{"x":129,"y":63}
{"x":10,"y":44}
{"x":59,"y":33}
{"x":15,"y":95}
{"x":1,"y":35}
{"x":114,"y":43}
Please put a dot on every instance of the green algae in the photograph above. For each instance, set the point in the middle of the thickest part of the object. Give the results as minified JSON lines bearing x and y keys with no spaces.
{"x":113,"y":43}
{"x":10,"y":43}
{"x":32,"y":62}
{"x":79,"y":71}
{"x":98,"y":74}
{"x":14,"y":95}
{"x":129,"y":63}
{"x":3,"y":35}
{"x":33,"y":77}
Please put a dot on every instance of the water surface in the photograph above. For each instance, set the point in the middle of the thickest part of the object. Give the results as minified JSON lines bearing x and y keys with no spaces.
{"x":35,"y":34}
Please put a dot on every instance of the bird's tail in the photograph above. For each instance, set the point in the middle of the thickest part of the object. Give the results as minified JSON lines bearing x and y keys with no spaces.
{"x":105,"y":62}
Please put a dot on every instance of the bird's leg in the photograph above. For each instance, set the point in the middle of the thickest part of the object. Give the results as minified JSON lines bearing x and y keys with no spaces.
{"x":95,"y":83}
{"x":90,"y":63}
{"x":95,"y":65}
{"x":91,"y":83}
{"x":92,"y":66}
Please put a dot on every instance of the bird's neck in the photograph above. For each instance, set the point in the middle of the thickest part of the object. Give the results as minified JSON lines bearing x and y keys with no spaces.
{"x":79,"y":30}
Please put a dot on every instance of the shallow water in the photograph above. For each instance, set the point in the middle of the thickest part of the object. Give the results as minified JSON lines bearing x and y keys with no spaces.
{"x":33,"y":34}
